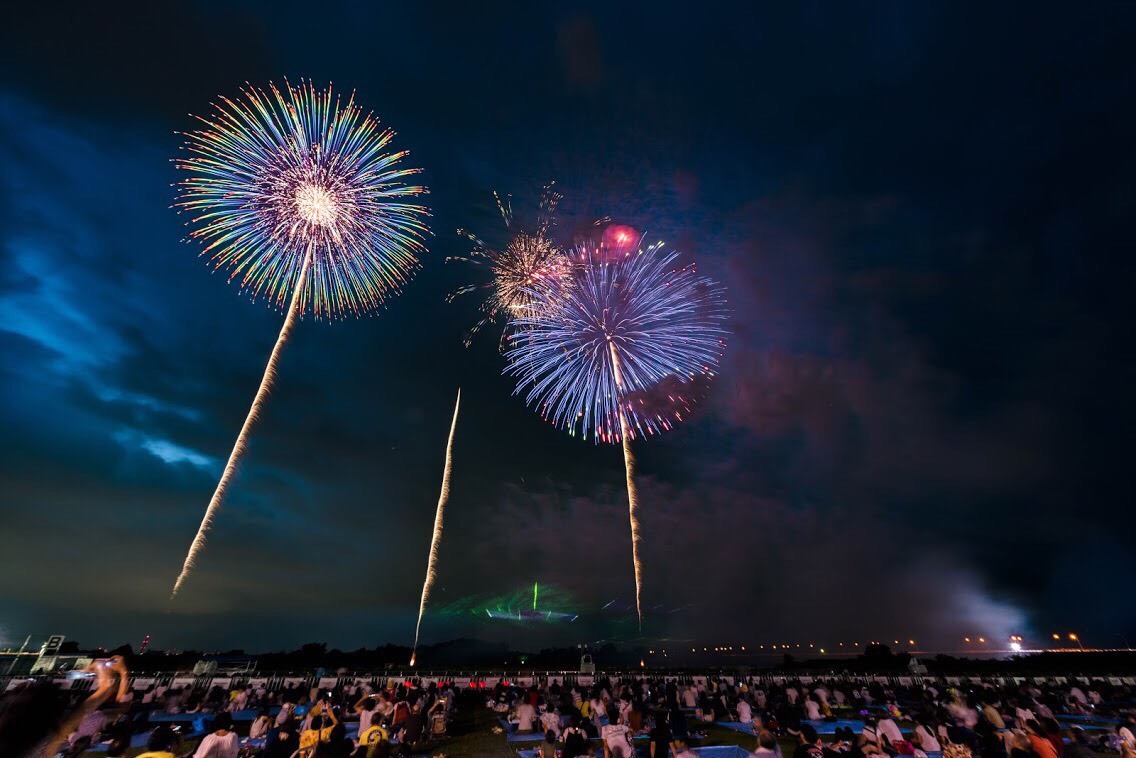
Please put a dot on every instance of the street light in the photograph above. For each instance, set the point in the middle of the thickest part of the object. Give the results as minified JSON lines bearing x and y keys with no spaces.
{"x":1077,"y":639}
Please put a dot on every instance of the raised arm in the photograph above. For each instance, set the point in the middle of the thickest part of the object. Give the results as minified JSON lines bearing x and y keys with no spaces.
{"x":103,"y":690}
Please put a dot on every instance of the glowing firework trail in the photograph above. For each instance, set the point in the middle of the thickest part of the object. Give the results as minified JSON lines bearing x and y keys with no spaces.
{"x":294,"y":192}
{"x":622,"y":346}
{"x":443,"y":497}
{"x":242,"y":438}
{"x":632,"y":490}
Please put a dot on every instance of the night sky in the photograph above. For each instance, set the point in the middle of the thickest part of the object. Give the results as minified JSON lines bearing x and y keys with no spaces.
{"x":922,"y":427}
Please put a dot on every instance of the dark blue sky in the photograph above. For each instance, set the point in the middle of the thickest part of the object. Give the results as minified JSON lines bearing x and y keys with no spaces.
{"x":922,"y":213}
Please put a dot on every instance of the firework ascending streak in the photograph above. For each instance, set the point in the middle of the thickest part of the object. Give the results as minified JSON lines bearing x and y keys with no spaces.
{"x":622,"y":347}
{"x":527,"y":264}
{"x":443,"y":498}
{"x":297,"y":195}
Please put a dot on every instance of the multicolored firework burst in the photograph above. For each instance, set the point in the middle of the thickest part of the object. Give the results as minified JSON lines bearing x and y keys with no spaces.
{"x":526,"y":265}
{"x":296,"y":193}
{"x":620,"y":346}
{"x":279,"y":177}
{"x":626,"y":334}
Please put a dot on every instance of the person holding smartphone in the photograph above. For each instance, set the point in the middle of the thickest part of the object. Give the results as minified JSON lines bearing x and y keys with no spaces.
{"x":323,"y":721}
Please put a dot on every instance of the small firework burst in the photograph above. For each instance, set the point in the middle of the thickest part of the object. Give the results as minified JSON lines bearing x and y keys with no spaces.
{"x":529,"y":263}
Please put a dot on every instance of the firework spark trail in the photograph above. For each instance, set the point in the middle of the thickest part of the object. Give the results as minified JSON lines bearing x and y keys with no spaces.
{"x":296,"y":193}
{"x":632,"y":490}
{"x":620,"y":346}
{"x":443,"y":497}
{"x":242,"y":438}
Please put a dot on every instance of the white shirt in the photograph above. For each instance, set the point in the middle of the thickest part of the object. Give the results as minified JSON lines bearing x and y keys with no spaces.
{"x":1126,"y":736}
{"x":526,"y":715}
{"x":1023,"y":715}
{"x":615,"y":737}
{"x":550,"y":721}
{"x":888,"y":728}
{"x":745,"y":713}
{"x":213,"y":746}
{"x":927,"y":741}
{"x":285,"y":713}
{"x":812,"y":710}
{"x":259,"y":727}
{"x":688,"y":698}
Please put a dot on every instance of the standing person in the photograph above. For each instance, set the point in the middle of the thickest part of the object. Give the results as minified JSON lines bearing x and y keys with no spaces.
{"x":412,"y":728}
{"x":661,"y":738}
{"x":221,"y":742}
{"x":366,"y":710}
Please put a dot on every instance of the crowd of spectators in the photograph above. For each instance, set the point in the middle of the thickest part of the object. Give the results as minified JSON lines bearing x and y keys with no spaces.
{"x":660,"y":716}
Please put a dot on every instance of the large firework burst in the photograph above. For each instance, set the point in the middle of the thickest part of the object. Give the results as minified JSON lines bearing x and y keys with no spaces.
{"x":620,"y":346}
{"x":285,"y":175}
{"x":628,"y":333}
{"x":529,"y":263}
{"x":296,"y":193}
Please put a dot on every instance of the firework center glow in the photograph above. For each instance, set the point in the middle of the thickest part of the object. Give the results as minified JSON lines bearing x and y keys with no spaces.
{"x":315,"y":205}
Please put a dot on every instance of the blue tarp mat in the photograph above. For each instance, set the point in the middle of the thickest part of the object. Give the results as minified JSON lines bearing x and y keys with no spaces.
{"x":822,"y":727}
{"x":1087,"y":719}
